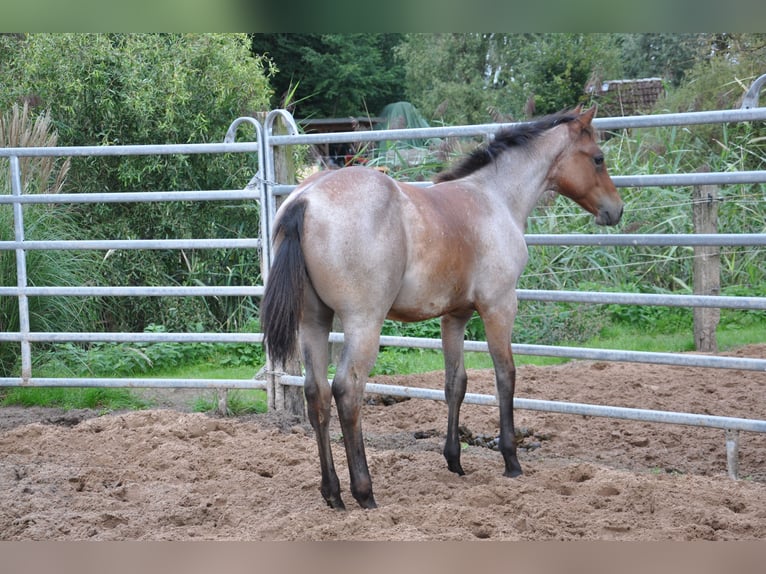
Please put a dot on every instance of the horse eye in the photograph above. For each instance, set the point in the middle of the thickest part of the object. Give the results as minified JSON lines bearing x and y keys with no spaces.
{"x":598,"y":160}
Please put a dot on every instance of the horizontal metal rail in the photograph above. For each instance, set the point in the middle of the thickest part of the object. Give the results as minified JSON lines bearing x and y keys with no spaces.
{"x":563,"y":239}
{"x":107,"y":244}
{"x":113,"y":150}
{"x":658,"y":299}
{"x":677,"y":359}
{"x":657,"y":120}
{"x":137,"y":291}
{"x":681,"y":179}
{"x":591,"y":297}
{"x":648,"y":239}
{"x":121,"y":337}
{"x":645,"y":415}
{"x":647,"y":180}
{"x":135,"y":196}
{"x":133,"y":382}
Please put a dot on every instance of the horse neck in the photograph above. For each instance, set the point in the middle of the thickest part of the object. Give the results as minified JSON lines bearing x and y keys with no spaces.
{"x":519,"y":177}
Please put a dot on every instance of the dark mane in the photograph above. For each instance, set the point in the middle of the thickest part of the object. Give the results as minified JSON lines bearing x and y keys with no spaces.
{"x":519,"y":135}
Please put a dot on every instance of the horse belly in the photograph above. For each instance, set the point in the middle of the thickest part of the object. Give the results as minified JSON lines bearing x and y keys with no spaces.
{"x":426,"y":299}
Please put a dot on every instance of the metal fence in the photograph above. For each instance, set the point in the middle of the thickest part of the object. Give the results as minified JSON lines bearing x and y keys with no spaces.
{"x":266,"y":190}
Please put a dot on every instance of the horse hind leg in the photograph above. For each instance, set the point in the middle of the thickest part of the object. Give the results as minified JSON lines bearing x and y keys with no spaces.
{"x":315,"y":328}
{"x":453,"y":331}
{"x":359,"y":352}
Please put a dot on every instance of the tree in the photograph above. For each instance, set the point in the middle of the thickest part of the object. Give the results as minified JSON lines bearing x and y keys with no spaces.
{"x":668,"y":56}
{"x":332,"y":75}
{"x":149,"y":89}
{"x":555,"y":68}
{"x":474,"y":78}
{"x":446,"y":76}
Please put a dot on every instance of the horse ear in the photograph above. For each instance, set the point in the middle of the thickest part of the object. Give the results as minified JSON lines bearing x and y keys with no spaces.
{"x":587,"y":116}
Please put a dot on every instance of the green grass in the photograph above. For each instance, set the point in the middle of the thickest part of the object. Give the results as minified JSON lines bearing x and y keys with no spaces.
{"x":239,"y":402}
{"x":392,"y":360}
{"x":108,"y":399}
{"x":104,"y":399}
{"x":205,"y":370}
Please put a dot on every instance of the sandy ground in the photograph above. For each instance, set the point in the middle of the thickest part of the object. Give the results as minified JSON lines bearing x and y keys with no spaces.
{"x":167,"y":474}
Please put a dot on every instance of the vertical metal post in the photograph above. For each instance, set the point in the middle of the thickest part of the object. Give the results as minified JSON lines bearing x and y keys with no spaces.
{"x":269,"y":168}
{"x":732,"y":453}
{"x":281,"y":397}
{"x":21,"y":271}
{"x":256,"y":182}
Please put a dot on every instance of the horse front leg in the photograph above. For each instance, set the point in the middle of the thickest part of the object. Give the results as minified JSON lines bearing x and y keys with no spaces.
{"x":455,"y":381}
{"x":498,"y":328}
{"x":357,"y":360}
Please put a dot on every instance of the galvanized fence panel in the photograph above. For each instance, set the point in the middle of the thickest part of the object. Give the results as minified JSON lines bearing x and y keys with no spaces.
{"x":266,"y":190}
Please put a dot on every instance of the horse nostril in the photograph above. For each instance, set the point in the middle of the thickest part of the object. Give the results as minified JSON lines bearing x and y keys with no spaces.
{"x":609,"y":216}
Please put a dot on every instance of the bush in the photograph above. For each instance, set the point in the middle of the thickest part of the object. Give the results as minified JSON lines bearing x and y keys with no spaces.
{"x":106,"y":89}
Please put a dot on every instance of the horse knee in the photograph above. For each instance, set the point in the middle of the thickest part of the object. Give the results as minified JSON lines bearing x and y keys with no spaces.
{"x":348,"y":397}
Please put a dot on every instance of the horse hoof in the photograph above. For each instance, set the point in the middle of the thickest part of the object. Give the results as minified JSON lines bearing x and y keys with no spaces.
{"x":368,"y":504}
{"x":513,"y":473}
{"x":456,"y":467}
{"x":335,"y":503}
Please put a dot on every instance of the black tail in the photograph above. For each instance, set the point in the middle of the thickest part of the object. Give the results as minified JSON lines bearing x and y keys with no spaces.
{"x":282,"y":302}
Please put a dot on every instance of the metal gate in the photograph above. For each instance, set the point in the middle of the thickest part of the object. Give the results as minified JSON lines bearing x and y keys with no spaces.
{"x":266,"y":190}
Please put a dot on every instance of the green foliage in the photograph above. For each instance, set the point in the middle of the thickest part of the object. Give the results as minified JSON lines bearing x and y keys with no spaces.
{"x":465,"y":78}
{"x":105,"y":89}
{"x":546,"y":323}
{"x":333,"y":75}
{"x":554,"y":69}
{"x":651,"y":319}
{"x":664,"y":55}
{"x":239,"y":402}
{"x":41,"y":222}
{"x":72,"y":398}
{"x":445,"y":76}
{"x":139,"y":359}
{"x":140,"y":88}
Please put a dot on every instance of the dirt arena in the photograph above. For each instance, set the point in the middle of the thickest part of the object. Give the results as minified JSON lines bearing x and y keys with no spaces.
{"x":168,"y":474}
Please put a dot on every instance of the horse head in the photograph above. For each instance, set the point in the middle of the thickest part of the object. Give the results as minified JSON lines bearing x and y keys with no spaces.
{"x":582,"y":175}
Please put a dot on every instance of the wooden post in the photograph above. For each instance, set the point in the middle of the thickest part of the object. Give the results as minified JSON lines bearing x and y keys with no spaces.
{"x":707,"y":264}
{"x":289,"y":399}
{"x":222,"y":404}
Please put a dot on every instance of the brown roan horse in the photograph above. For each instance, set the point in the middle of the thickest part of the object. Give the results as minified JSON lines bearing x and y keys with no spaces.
{"x":356,"y":243}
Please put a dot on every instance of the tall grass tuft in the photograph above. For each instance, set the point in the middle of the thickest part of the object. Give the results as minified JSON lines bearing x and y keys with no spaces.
{"x":19,"y":129}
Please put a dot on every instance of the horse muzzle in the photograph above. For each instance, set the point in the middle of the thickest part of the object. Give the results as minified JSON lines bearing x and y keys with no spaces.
{"x":610,"y":214}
